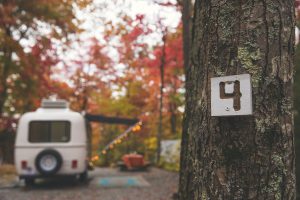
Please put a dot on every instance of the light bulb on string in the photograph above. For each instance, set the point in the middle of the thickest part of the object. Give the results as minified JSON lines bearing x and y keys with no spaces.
{"x":138,"y":128}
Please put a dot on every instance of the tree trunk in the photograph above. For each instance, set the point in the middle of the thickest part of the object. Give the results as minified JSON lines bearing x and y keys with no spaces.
{"x":186,"y":21}
{"x":173,"y":117}
{"x":297,"y":115}
{"x":162,"y":85}
{"x":241,"y":157}
{"x":6,"y":65}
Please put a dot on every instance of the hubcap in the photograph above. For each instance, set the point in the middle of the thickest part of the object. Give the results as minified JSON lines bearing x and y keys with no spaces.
{"x":48,"y":162}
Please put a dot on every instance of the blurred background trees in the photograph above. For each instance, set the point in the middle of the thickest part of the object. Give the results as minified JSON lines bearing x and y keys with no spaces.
{"x":102,"y":65}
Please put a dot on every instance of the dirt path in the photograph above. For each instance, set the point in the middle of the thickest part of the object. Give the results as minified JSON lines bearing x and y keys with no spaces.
{"x":156,"y":184}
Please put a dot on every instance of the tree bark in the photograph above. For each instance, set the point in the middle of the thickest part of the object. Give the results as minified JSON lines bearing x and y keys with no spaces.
{"x":241,"y":157}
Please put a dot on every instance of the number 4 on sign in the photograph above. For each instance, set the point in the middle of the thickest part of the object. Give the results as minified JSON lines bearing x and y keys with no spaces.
{"x":231,"y":95}
{"x":235,"y":95}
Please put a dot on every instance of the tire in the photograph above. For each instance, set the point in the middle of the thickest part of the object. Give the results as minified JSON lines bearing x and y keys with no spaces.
{"x":29,"y":181}
{"x":48,"y":162}
{"x":83,"y":176}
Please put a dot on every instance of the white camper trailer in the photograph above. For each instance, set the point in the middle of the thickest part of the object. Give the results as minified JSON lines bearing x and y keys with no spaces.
{"x":52,"y":141}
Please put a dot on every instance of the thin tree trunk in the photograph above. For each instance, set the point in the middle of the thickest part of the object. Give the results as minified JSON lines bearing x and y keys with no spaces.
{"x":3,"y":91}
{"x":162,"y":84}
{"x":242,"y":157}
{"x":173,"y":107}
{"x":173,"y":117}
{"x":186,"y":12}
{"x":6,"y":64}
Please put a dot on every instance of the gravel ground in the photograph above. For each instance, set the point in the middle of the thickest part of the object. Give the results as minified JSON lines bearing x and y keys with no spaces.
{"x":163,"y":185}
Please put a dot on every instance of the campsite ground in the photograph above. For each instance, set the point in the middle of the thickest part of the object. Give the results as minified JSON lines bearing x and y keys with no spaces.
{"x":103,"y":183}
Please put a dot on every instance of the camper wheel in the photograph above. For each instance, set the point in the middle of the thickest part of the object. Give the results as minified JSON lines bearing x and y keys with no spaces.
{"x":48,"y":162}
{"x":29,"y":181}
{"x":83,"y":176}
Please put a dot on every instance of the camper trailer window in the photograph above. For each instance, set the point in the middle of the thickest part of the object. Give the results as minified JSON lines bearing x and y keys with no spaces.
{"x":49,"y":131}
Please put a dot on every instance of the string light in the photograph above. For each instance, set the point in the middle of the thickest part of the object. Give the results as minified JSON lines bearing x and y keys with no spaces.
{"x":138,"y":128}
{"x":118,"y":140}
{"x":95,"y":158}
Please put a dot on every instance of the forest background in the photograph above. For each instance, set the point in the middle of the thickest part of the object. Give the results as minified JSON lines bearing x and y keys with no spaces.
{"x":104,"y":58}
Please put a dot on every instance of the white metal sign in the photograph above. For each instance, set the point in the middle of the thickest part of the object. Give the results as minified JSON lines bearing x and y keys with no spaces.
{"x":231,"y":95}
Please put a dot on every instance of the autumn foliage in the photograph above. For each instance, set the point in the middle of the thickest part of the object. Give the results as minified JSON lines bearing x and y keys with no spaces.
{"x":113,"y":74}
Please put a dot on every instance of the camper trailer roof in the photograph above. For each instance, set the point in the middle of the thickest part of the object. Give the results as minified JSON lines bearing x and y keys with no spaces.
{"x":57,"y":103}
